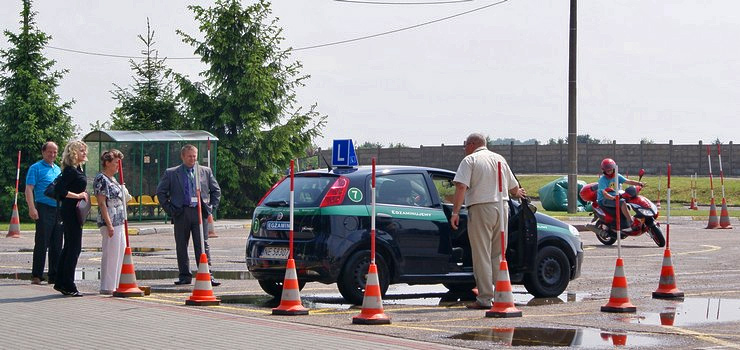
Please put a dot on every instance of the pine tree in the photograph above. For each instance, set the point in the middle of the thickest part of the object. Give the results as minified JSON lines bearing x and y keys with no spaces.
{"x":31,"y":112}
{"x":150,"y":103}
{"x":247,"y":99}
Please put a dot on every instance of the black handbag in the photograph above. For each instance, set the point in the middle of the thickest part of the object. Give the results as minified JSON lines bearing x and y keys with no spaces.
{"x":51,"y":191}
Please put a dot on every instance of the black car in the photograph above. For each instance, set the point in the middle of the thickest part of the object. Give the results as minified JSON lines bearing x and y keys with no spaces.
{"x":415,"y":243}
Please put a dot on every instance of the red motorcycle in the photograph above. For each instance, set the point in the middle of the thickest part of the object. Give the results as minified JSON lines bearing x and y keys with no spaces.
{"x":604,"y":221}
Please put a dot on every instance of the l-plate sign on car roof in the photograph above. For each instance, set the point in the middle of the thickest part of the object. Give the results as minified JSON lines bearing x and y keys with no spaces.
{"x":343,"y":154}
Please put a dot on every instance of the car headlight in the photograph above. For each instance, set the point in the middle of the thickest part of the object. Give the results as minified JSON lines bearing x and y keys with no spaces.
{"x":646,"y":212}
{"x":574,"y":231}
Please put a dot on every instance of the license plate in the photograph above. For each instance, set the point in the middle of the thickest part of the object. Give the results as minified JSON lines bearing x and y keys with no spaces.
{"x":274,"y":253}
{"x":278,"y":225}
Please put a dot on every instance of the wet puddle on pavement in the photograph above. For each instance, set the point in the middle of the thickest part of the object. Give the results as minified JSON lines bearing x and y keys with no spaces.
{"x":532,"y":336}
{"x":136,"y":251}
{"x":401,"y":294}
{"x":691,"y":311}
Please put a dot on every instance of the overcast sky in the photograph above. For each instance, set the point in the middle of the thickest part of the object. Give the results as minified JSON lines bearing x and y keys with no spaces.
{"x":655,"y":69}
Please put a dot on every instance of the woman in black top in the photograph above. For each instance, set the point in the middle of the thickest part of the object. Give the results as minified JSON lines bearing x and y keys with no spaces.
{"x":72,"y":186}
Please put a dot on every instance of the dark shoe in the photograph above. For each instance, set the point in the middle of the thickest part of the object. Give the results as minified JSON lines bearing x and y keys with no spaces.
{"x":181,"y":282}
{"x":215,"y":283}
{"x":476,"y":306}
{"x":75,"y":294}
{"x":62,"y":290}
{"x":35,"y":280}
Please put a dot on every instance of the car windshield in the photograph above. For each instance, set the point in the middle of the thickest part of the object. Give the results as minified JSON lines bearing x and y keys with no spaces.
{"x":308,"y":191}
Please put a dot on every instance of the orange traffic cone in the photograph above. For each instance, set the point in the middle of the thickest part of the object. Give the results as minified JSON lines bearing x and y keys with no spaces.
{"x":14,"y":231}
{"x":713,"y":219}
{"x":724,"y":216}
{"x":290,"y":300}
{"x":693,"y":205}
{"x":211,"y":227}
{"x":127,"y":284}
{"x":203,"y":291}
{"x":667,"y":284}
{"x":667,"y":318}
{"x":619,"y":301}
{"x":503,"y":298}
{"x":372,"y":303}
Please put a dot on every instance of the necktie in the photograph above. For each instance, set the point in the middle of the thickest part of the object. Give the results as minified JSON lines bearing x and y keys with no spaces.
{"x":191,"y":184}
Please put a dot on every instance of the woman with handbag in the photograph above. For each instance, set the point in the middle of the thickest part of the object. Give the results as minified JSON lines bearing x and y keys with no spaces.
{"x":71,"y":188}
{"x":112,"y":213}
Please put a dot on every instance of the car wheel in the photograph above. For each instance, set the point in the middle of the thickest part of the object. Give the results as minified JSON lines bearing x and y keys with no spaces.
{"x":275,"y":288}
{"x":460,"y":287}
{"x":351,"y":282}
{"x":551,"y":275}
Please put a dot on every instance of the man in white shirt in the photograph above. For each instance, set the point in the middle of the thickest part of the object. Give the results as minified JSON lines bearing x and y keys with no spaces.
{"x":476,"y":182}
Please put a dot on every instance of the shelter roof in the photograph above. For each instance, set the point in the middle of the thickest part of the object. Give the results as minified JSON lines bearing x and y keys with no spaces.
{"x":148,"y":136}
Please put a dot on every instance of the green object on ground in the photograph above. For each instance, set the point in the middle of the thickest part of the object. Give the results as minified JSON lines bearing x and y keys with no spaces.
{"x":554,"y":195}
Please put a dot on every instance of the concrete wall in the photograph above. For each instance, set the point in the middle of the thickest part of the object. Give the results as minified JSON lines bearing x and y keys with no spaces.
{"x":553,"y":159}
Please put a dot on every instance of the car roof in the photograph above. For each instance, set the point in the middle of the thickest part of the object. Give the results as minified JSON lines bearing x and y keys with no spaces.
{"x":379,"y":170}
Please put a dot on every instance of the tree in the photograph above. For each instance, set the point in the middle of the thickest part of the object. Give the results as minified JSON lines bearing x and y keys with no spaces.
{"x":587,"y":139}
{"x":151,"y":102}
{"x":368,"y":144}
{"x":247,"y":99}
{"x":31,"y":112}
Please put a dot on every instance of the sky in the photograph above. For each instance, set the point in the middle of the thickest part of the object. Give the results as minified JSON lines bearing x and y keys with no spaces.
{"x":647,"y":69}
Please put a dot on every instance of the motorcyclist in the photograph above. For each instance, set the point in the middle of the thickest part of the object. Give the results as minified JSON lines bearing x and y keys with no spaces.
{"x":607,"y":191}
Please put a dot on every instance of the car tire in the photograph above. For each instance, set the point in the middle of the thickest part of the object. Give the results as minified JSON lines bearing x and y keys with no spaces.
{"x":275,"y":288}
{"x":351,"y":282}
{"x":551,"y":275}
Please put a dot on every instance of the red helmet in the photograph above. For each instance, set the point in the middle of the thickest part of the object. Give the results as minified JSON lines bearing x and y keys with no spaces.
{"x":608,"y":164}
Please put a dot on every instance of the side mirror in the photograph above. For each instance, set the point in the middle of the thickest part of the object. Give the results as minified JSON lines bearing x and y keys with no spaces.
{"x":641,"y":173}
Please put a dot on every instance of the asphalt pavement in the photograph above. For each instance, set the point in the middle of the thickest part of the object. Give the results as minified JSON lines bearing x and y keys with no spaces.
{"x":423,"y":317}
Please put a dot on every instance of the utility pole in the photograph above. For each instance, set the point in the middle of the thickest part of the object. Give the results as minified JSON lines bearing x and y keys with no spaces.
{"x":572,"y":130}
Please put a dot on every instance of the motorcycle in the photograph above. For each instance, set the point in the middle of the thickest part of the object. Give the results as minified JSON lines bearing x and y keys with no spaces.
{"x":604,"y":221}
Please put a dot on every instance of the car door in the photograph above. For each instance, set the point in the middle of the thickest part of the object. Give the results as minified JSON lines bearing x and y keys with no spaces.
{"x":452,"y":242}
{"x":405,"y":211}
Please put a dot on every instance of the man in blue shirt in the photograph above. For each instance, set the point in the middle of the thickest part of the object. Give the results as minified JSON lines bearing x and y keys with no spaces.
{"x":43,"y":210}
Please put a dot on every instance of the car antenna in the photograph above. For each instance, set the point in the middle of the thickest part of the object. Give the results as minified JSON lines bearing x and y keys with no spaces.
{"x":328,"y":166}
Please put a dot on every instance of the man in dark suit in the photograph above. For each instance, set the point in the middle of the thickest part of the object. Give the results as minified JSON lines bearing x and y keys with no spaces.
{"x":177,"y":195}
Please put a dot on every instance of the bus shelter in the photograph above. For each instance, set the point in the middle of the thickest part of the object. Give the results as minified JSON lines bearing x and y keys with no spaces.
{"x":147,"y":154}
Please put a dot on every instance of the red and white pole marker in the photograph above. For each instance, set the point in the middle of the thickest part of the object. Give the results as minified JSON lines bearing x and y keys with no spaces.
{"x":724,"y":216}
{"x":503,"y":296}
{"x":127,"y":285}
{"x":14,"y":230}
{"x":660,"y":179}
{"x":203,"y":290}
{"x":667,"y":284}
{"x":290,"y":300}
{"x":713,"y":218}
{"x":372,"y":303}
{"x":618,"y":209}
{"x":692,"y":183}
{"x":619,"y":300}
